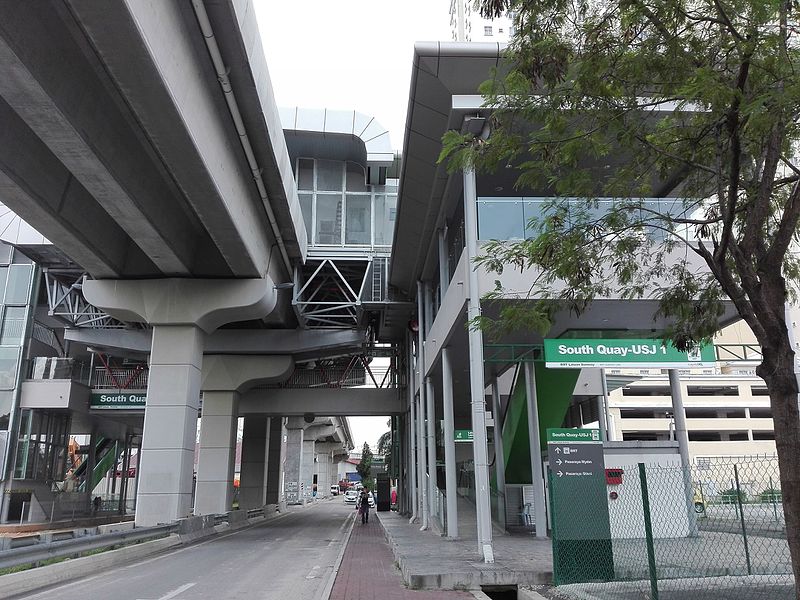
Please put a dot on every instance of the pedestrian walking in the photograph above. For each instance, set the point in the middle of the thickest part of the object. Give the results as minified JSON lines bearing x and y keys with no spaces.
{"x":363,"y":507}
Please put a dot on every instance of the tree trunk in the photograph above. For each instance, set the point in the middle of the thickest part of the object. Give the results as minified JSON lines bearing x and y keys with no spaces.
{"x":777,"y":370}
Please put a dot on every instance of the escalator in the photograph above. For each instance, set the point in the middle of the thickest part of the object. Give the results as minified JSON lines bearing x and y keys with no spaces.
{"x":107,"y":452}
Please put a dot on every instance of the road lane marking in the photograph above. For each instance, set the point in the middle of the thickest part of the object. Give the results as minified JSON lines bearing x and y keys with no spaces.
{"x":177,"y":591}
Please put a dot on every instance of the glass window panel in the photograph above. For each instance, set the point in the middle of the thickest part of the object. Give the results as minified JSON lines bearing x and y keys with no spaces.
{"x":385,"y":215}
{"x":6,"y":402}
{"x":532,"y":208}
{"x":329,"y":219}
{"x":19,"y":283}
{"x":500,"y":220}
{"x":21,"y":259}
{"x":13,"y":326}
{"x":305,"y":208}
{"x":5,"y":253}
{"x":9,"y":362}
{"x":305,"y":174}
{"x":329,"y":175}
{"x":358,"y":223}
{"x":356,"y":179}
{"x":3,"y":277}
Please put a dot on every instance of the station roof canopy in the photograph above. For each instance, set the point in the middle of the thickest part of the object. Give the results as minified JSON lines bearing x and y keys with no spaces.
{"x":444,"y":88}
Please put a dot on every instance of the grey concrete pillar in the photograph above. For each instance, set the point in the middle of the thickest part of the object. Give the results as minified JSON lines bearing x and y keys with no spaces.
{"x":537,"y":472}
{"x":214,"y":488}
{"x":252,"y":474}
{"x":274,"y":462}
{"x":170,"y":424}
{"x":499,"y":453}
{"x":307,"y":470}
{"x":293,"y":467}
{"x":451,"y":494}
{"x":477,"y":384}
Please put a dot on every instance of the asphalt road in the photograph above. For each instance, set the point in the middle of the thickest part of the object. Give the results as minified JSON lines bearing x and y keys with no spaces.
{"x":287,"y":558}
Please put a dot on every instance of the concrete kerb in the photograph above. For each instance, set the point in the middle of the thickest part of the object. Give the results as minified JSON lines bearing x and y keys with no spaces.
{"x":326,"y":590}
{"x":190,"y":530}
{"x":23,"y":582}
{"x":399,"y":559}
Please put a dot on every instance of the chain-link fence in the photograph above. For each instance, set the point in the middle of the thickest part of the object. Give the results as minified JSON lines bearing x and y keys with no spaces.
{"x":712,"y":532}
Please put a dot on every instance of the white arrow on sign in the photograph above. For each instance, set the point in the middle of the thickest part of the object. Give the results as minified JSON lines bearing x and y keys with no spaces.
{"x":559,"y":473}
{"x":558,"y":450}
{"x":559,"y":461}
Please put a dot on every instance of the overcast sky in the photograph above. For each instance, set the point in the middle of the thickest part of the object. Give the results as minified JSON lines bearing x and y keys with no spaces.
{"x":348,"y":54}
{"x":351,"y":55}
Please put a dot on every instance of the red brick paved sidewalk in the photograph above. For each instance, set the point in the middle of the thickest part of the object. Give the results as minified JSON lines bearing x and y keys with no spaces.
{"x":368,"y":572}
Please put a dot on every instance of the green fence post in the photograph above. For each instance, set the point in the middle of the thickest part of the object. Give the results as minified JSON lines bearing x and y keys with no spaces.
{"x":553,"y":530}
{"x":648,"y":532}
{"x":741,"y":512}
{"x":773,"y":498}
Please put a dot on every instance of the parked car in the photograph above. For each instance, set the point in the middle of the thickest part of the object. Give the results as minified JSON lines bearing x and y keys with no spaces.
{"x":350,"y":496}
{"x":334,"y":490}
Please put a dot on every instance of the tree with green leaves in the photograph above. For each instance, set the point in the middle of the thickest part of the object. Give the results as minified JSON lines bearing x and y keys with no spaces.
{"x":666,"y":133}
{"x":384,"y":449}
{"x":364,"y":467}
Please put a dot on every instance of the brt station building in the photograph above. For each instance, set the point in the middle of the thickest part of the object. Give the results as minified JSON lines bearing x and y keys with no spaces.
{"x":255,"y":266}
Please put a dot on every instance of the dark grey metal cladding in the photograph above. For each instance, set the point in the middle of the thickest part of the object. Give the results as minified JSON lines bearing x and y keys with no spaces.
{"x":569,"y":460}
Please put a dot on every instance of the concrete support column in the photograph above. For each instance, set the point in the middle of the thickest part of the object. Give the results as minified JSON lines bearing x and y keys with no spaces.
{"x":477,"y":385}
{"x":449,"y":445}
{"x":499,"y":453}
{"x":537,"y":473}
{"x":214,"y":489}
{"x":170,"y":424}
{"x":294,"y":464}
{"x":307,"y":470}
{"x":274,"y":460}
{"x":255,"y":445}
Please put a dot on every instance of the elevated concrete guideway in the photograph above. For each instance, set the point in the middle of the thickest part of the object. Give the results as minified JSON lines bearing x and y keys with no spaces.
{"x":350,"y":402}
{"x":124,"y":152}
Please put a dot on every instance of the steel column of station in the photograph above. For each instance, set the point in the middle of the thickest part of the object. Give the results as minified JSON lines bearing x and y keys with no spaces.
{"x":477,"y":385}
{"x":537,"y":471}
{"x":413,"y":467}
{"x":421,"y":408}
{"x":444,"y":267}
{"x":430,"y":401}
{"x":682,"y":436}
{"x":449,"y":446}
{"x":499,"y":455}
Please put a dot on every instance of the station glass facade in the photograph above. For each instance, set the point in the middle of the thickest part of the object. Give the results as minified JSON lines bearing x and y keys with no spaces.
{"x":17,"y":276}
{"x":341,"y":209}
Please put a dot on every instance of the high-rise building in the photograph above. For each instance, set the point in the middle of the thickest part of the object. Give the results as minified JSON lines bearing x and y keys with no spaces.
{"x":467,"y":24}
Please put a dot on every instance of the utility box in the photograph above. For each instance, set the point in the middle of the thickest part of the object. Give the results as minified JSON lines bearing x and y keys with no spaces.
{"x":383,"y":502}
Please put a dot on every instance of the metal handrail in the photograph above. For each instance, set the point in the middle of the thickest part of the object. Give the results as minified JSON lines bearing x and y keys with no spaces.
{"x":68,"y":548}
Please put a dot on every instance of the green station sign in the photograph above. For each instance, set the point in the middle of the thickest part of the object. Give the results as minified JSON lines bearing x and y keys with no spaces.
{"x":462,"y":435}
{"x":118,"y":400}
{"x":634,"y":353}
{"x":573,"y":435}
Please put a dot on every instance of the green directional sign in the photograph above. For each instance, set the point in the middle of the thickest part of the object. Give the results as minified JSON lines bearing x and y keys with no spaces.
{"x":462,"y":435}
{"x":118,"y":400}
{"x":641,"y":353}
{"x":581,"y":529}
